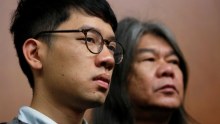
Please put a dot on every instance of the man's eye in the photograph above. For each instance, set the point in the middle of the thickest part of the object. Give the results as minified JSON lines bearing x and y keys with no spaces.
{"x":111,"y":48}
{"x":149,"y":59}
{"x":175,"y":62}
{"x":90,"y":40}
{"x":82,"y":39}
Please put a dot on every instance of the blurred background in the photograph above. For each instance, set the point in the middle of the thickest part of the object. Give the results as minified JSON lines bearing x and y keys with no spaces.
{"x":195,"y":23}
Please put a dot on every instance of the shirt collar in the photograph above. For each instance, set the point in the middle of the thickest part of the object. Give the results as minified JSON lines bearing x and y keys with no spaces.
{"x":29,"y":115}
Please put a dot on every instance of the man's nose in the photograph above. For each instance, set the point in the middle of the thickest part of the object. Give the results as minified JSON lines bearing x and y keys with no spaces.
{"x":105,"y":58}
{"x":165,"y":70}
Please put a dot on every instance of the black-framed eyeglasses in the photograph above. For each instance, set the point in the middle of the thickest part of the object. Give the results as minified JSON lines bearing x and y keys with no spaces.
{"x":94,"y":42}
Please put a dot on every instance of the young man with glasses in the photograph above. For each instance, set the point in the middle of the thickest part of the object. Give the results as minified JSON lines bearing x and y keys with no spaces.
{"x":67,"y":50}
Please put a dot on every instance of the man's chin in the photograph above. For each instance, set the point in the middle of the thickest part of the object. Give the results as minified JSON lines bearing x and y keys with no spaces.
{"x":165,"y":104}
{"x":170,"y":105}
{"x":97,"y":103}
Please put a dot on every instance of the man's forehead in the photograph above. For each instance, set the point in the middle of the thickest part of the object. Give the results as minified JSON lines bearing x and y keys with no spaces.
{"x":79,"y":19}
{"x":155,"y":51}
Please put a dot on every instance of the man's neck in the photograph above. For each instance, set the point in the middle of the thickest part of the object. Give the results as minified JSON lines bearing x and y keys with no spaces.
{"x":57,"y":112}
{"x":152,"y":116}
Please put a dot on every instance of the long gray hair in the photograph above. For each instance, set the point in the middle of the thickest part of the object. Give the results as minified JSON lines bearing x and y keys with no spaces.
{"x":117,"y":108}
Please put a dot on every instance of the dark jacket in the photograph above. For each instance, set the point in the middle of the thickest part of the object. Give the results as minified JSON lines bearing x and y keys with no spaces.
{"x":14,"y":121}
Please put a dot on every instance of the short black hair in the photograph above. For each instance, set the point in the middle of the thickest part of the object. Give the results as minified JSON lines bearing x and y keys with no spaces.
{"x":34,"y":16}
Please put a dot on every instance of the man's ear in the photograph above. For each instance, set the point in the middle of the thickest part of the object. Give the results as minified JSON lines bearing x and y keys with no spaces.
{"x":31,"y":53}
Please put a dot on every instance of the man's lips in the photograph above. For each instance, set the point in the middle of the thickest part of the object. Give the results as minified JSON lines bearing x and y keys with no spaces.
{"x":168,"y":88}
{"x":102,"y":80}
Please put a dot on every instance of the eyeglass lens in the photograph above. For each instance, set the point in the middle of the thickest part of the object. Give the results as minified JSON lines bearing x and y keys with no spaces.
{"x":95,"y":42}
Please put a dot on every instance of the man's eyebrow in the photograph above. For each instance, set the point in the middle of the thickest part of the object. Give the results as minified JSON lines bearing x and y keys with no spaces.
{"x":87,"y":27}
{"x":172,"y":53}
{"x":109,"y":38}
{"x":146,"y":50}
{"x":149,"y":50}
